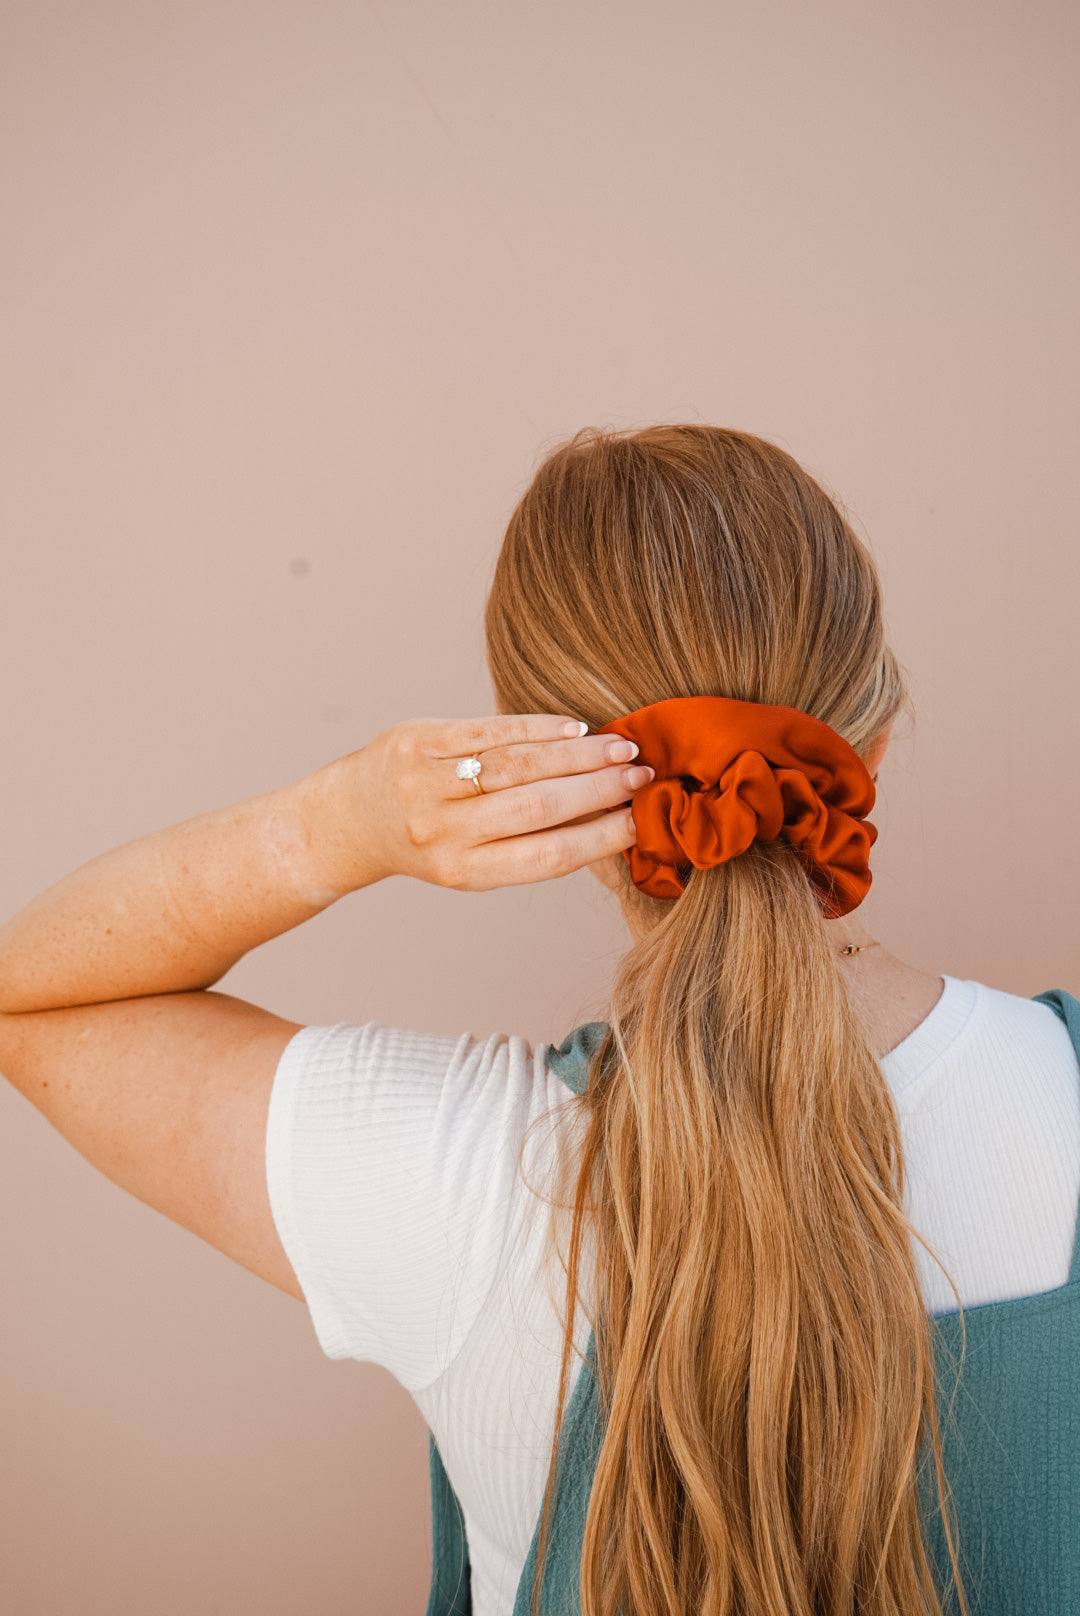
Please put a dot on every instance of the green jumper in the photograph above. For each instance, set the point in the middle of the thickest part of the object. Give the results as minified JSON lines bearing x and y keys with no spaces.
{"x":1011,"y":1450}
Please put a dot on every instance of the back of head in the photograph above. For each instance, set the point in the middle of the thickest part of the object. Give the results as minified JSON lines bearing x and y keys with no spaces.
{"x":764,"y":1355}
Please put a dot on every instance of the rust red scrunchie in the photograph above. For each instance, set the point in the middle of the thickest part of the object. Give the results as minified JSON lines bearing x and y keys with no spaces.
{"x":728,"y":771}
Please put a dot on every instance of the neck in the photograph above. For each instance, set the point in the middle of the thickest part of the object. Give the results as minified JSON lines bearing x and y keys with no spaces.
{"x":848,"y":929}
{"x":889,"y":996}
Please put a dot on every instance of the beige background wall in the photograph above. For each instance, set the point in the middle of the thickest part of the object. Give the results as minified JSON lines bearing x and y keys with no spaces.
{"x":293,"y":296}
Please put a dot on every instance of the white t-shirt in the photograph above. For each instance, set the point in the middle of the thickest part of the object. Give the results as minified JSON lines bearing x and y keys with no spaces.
{"x":393,"y":1172}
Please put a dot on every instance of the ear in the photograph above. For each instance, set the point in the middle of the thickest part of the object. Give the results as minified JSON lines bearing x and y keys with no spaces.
{"x":605,"y":871}
{"x":877,"y":751}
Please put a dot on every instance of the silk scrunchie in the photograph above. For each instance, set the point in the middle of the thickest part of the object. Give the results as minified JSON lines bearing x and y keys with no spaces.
{"x":728,"y":772}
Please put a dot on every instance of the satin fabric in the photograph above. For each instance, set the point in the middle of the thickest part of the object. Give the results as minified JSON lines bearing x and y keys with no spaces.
{"x":730,"y":771}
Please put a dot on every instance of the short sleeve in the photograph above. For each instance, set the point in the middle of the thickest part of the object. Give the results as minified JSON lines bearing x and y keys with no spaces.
{"x":392,"y":1166}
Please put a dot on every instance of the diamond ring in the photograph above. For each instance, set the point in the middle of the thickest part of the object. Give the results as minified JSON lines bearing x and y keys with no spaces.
{"x":469,"y":769}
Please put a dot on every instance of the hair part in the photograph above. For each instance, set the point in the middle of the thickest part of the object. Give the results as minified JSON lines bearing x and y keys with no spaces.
{"x":764,"y":1358}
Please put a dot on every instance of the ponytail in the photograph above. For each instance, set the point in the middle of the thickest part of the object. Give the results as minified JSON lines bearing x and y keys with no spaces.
{"x":763,"y":1353}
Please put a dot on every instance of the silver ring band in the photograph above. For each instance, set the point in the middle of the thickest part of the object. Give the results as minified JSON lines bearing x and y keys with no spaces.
{"x":469,"y":769}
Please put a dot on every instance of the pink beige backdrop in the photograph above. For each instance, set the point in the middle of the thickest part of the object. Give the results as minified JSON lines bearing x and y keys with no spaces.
{"x":293,"y":297}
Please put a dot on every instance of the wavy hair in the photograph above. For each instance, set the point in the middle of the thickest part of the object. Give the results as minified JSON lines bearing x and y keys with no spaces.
{"x":764,"y":1358}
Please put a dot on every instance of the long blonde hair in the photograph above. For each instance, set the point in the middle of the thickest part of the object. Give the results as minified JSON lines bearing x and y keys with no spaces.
{"x":763,"y":1352}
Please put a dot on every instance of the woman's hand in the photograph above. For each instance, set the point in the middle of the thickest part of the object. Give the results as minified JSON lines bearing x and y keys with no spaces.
{"x":552,"y":801}
{"x":175,"y":910}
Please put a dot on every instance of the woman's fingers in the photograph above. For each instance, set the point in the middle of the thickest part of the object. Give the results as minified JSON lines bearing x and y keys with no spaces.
{"x":550,"y":802}
{"x":519,"y":810}
{"x":514,"y":749}
{"x":547,"y":854}
{"x":506,"y":766}
{"x":458,"y":737}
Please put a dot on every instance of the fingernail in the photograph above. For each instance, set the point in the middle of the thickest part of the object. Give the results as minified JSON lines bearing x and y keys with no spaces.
{"x":578,"y":727}
{"x":622,"y":751}
{"x":638,"y":776}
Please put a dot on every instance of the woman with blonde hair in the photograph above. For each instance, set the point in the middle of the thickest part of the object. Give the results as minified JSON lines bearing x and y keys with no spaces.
{"x":670,"y":1292}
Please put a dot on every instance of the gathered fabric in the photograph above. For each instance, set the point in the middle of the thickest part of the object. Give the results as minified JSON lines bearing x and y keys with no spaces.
{"x":731,"y":772}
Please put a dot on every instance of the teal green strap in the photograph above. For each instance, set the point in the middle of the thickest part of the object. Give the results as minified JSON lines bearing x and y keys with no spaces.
{"x":580,"y":1442}
{"x":451,"y":1585}
{"x":573,"y":1058}
{"x":1068,"y":1008}
{"x":450,"y":1570}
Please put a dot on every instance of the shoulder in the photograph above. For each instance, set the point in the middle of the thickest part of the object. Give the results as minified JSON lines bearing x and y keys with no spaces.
{"x":444,"y":1101}
{"x":390,"y":1057}
{"x":396,"y":1176}
{"x":1044,"y":1022}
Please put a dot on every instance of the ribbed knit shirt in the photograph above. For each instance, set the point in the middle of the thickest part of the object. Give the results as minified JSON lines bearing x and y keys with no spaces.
{"x":403,"y":1175}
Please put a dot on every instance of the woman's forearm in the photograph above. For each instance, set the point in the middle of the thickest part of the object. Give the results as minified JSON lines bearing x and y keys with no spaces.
{"x":175,"y":910}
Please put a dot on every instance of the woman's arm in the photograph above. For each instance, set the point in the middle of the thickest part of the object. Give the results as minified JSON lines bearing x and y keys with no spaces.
{"x":166,"y":1091}
{"x":175,"y":910}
